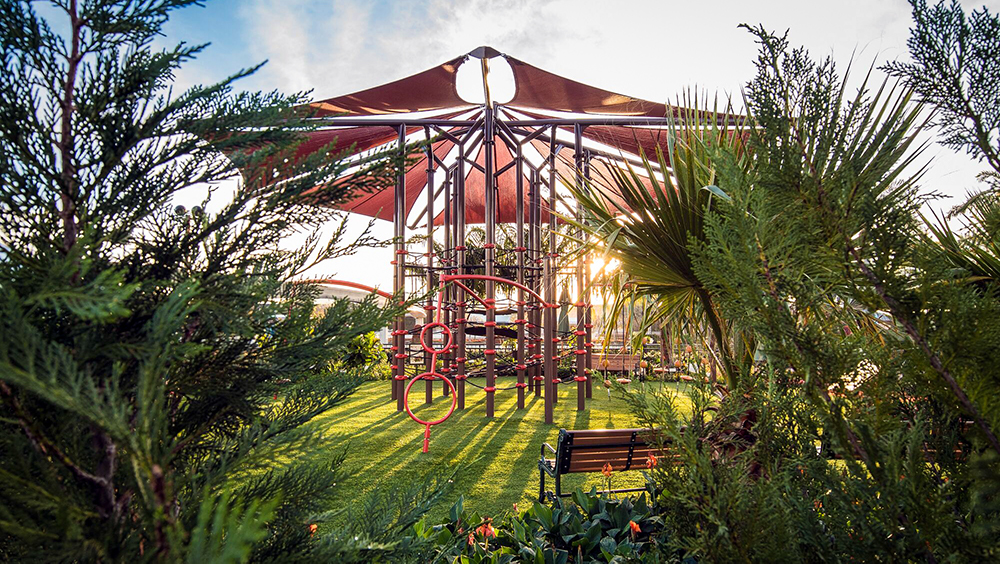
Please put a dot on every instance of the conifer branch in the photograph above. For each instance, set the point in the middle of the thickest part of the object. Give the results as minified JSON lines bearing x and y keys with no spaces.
{"x":67,"y":106}
{"x":42,"y":444}
{"x":896,"y":309}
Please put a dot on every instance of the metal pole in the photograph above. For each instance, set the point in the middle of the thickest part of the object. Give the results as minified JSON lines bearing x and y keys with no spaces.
{"x":460,"y":320}
{"x":520,"y":321}
{"x":399,"y":279}
{"x":581,"y":306}
{"x":588,"y":322}
{"x":551,"y":367}
{"x":534,"y":317}
{"x":429,"y":261}
{"x":446,"y":260}
{"x":490,"y":258}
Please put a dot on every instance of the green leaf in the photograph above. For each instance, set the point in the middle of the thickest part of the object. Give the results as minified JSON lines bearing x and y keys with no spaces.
{"x":226,"y":531}
{"x":718,"y":192}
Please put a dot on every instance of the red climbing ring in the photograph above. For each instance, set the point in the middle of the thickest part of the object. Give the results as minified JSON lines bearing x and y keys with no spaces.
{"x":427,"y":424}
{"x":429,"y":347}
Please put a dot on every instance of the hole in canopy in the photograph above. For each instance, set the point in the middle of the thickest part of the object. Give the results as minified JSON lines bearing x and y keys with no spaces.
{"x":469,"y":80}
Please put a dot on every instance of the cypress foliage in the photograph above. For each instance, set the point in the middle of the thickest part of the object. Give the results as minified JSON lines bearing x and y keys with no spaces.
{"x":158,"y":373}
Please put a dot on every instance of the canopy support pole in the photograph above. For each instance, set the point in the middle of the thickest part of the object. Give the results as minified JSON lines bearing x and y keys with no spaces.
{"x":399,"y":279}
{"x":490,"y":259}
{"x":588,"y":315}
{"x":460,"y":267}
{"x":446,"y":260}
{"x":581,"y":306}
{"x":520,"y":321}
{"x":429,"y":275}
{"x":535,"y":256}
{"x":551,"y":366}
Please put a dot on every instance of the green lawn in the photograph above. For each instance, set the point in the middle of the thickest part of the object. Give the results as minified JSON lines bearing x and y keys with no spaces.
{"x":497,"y":459}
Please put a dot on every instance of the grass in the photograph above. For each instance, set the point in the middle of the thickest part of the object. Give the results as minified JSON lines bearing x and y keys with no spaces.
{"x":496,"y":459}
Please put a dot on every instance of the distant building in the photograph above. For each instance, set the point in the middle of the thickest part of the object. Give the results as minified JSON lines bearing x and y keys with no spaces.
{"x":338,"y":289}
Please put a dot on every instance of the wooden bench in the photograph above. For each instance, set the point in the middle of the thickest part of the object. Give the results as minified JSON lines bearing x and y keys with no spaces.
{"x":589,"y":450}
{"x":616,"y":362}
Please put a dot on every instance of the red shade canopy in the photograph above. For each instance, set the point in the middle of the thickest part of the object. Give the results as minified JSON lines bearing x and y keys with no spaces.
{"x":542,"y":90}
{"x":435,"y":90}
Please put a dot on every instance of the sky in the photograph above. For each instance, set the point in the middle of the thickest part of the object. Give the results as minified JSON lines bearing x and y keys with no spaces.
{"x":648,"y":49}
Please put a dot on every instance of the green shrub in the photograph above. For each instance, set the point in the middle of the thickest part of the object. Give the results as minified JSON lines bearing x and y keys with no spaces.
{"x":364,"y":356}
{"x":590,"y":528}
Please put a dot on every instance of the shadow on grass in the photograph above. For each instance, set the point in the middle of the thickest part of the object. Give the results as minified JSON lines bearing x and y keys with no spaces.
{"x":496,"y":458}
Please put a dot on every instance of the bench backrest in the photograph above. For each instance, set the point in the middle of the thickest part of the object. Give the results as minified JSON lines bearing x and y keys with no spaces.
{"x":616,"y":362}
{"x":589,"y":450}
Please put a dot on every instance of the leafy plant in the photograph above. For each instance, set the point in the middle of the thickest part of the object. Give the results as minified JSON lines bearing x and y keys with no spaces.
{"x":591,"y":528}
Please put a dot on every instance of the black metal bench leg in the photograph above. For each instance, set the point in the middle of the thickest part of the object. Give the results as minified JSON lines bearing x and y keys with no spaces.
{"x":558,"y":485}
{"x":541,"y":485}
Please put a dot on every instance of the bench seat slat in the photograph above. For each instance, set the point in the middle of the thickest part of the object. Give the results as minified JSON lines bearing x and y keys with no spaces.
{"x":605,"y":455}
{"x":617,"y":465}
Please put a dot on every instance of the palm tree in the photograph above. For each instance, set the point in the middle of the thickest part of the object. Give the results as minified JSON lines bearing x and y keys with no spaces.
{"x":649,"y":218}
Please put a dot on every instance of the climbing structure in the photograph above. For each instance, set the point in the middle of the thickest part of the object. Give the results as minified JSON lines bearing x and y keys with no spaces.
{"x":490,"y":164}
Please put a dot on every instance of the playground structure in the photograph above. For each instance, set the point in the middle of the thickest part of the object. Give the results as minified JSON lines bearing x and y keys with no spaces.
{"x":427,"y":343}
{"x":489,"y":163}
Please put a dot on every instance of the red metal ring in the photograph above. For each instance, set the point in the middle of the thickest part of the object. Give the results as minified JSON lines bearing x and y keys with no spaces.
{"x":406,"y":399}
{"x":430,"y":349}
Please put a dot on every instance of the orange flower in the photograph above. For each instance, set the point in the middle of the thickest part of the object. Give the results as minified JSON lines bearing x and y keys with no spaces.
{"x":472,"y":541}
{"x":607,"y":384}
{"x":688,"y":349}
{"x":635,"y":528}
{"x":677,"y":364}
{"x":515,"y":508}
{"x":312,"y":529}
{"x":486,"y":529}
{"x":607,"y":470}
{"x":651,"y":461}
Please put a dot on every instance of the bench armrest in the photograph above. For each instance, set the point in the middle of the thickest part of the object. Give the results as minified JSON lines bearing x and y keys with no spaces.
{"x":543,"y":463}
